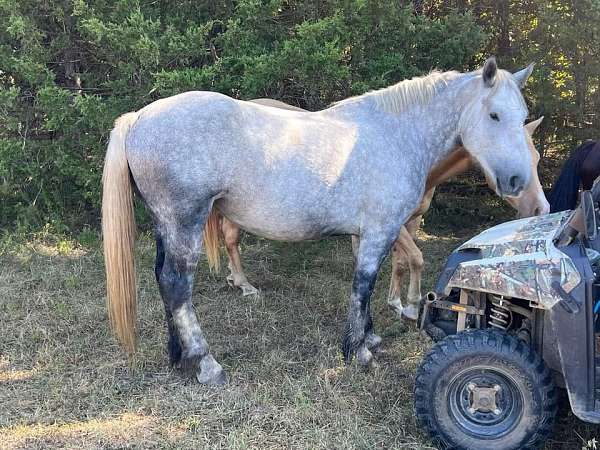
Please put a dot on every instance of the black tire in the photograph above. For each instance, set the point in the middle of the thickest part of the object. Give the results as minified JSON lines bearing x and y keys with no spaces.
{"x":526,"y":402}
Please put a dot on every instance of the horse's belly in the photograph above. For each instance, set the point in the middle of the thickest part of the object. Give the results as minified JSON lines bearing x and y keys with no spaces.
{"x":284,"y":225}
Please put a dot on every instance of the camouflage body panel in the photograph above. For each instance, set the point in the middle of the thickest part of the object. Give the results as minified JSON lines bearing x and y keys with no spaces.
{"x":519,"y":259}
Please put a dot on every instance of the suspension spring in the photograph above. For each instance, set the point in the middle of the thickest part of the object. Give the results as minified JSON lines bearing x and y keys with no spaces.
{"x":501,"y":315}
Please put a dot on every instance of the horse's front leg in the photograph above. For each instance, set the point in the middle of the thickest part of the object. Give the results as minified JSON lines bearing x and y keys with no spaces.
{"x":400,"y":265}
{"x":415,"y":264}
{"x":406,"y":254}
{"x":358,"y":333}
{"x":372,"y":341}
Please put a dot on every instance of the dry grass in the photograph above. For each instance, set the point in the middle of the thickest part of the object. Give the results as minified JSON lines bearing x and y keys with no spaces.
{"x":65,"y":383}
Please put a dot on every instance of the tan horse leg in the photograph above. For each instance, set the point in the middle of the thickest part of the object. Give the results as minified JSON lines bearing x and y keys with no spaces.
{"x":399,"y":268}
{"x":415,"y":265}
{"x":406,"y":254}
{"x":231,"y":235}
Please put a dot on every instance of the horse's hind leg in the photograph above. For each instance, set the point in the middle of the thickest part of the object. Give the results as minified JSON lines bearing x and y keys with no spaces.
{"x":174,"y":347}
{"x":181,"y":242}
{"x":237,"y":277}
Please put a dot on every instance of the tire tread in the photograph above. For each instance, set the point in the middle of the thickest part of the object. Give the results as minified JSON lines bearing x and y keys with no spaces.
{"x":475,"y":341}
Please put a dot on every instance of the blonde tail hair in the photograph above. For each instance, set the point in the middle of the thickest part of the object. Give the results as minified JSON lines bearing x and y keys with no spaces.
{"x":119,"y":230}
{"x":211,"y":236}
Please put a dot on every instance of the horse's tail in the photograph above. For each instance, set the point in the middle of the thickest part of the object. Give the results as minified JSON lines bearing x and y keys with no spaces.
{"x":563,"y":195}
{"x":118,"y":229}
{"x":211,"y":237}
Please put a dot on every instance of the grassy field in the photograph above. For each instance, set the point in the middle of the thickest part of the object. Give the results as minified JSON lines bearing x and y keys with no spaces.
{"x":65,"y":383}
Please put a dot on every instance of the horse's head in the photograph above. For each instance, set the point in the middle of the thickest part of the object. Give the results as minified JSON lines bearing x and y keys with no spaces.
{"x":531,"y":201}
{"x":491,"y":127}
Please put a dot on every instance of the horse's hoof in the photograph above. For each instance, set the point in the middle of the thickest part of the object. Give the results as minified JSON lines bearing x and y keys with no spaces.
{"x":396,"y":306}
{"x":248,"y":290}
{"x":372,"y":341}
{"x":364,"y":356}
{"x":229,"y":280}
{"x":211,"y":372}
{"x":217,"y":380}
{"x":411,"y":312}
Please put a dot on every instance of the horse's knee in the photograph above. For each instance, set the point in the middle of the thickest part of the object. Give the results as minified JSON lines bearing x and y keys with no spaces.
{"x":401,"y":267}
{"x":417,"y":260}
{"x":362,"y":285}
{"x":400,"y":263}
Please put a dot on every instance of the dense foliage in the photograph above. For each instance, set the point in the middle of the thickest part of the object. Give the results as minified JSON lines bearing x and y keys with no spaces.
{"x":68,"y":68}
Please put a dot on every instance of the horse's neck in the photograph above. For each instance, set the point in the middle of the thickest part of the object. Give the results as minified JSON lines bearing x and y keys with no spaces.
{"x":431,"y":122}
{"x":441,"y":130}
{"x":436,"y":131}
{"x":454,"y":164}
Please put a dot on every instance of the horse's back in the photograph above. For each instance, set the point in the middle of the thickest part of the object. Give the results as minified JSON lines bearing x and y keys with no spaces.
{"x":207,"y":128}
{"x":167,"y":116}
{"x":283,"y":170}
{"x":202,"y":119}
{"x":189,"y":99}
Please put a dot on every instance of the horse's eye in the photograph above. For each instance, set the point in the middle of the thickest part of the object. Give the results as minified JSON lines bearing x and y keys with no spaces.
{"x":494,"y":116}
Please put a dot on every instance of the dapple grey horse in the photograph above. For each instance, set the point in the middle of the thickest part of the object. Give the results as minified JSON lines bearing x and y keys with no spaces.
{"x":405,"y":255}
{"x":357,"y":168}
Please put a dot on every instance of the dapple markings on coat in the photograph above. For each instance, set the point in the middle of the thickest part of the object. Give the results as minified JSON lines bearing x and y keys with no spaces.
{"x":405,"y":255}
{"x":356,"y":168}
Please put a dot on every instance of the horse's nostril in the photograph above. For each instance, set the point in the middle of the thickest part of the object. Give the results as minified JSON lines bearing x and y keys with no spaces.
{"x":514,"y":181}
{"x":537,"y":212}
{"x":510,"y":186}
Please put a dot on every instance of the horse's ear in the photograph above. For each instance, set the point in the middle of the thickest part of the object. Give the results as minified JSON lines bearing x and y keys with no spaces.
{"x":490,"y":68}
{"x":522,"y":75}
{"x":531,"y":126}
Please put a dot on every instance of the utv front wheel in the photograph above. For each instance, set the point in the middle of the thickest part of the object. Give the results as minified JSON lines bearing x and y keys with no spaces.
{"x":485,"y":389}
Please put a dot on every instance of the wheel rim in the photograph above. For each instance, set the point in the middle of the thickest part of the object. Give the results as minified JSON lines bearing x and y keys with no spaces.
{"x":476,"y":410}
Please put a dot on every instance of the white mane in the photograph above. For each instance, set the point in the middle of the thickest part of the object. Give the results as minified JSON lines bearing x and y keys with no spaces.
{"x":400,"y":96}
